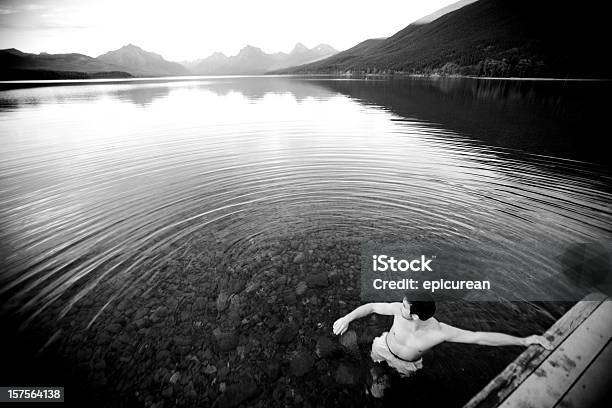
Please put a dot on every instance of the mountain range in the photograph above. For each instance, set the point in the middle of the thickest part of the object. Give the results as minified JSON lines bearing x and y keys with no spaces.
{"x":15,"y":64}
{"x":131,"y":60}
{"x":128,"y":61}
{"x":498,"y":38}
{"x":252,"y":60}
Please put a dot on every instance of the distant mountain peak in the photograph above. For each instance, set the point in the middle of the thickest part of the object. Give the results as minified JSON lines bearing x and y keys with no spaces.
{"x":325,"y":48}
{"x":216,"y":58}
{"x":299,"y":48}
{"x":13,"y":51}
{"x":131,"y":46}
{"x":142,"y":62}
{"x":250,"y":50}
{"x":250,"y":47}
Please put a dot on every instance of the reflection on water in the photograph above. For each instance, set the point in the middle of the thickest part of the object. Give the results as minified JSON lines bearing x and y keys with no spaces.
{"x":561,"y":119}
{"x":144,"y":93}
{"x":109,"y":183}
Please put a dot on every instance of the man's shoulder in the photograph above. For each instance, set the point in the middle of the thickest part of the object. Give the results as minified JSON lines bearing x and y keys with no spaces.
{"x":444,"y":330}
{"x":434,"y":326}
{"x":435,"y":331}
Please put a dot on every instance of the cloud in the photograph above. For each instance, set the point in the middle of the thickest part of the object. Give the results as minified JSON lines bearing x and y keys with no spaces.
{"x":16,"y":6}
{"x":32,"y":7}
{"x":7,"y":21}
{"x":21,"y":15}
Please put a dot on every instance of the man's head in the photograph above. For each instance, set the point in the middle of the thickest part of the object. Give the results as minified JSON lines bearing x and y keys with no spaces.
{"x":419,"y":306}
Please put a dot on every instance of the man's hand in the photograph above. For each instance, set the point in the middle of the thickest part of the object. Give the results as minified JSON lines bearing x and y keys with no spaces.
{"x":540,"y":340}
{"x":341,"y":325}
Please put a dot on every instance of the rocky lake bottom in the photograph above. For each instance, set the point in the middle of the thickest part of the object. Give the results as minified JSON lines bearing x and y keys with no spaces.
{"x":208,"y":330}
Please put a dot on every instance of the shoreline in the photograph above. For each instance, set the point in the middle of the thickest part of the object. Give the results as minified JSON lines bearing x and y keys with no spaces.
{"x":336,"y":76}
{"x":436,"y":76}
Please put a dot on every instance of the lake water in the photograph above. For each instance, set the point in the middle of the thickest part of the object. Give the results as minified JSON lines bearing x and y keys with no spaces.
{"x":109,"y":190}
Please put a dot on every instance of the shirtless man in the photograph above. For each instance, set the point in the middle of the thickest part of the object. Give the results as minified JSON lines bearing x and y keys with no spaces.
{"x":415,"y":331}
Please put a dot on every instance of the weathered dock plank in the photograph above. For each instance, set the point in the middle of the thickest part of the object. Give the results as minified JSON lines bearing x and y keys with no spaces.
{"x":525,"y":365}
{"x":594,"y":385}
{"x":563,"y":367}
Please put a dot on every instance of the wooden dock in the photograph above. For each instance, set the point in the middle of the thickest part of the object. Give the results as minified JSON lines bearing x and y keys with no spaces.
{"x":577,"y":373}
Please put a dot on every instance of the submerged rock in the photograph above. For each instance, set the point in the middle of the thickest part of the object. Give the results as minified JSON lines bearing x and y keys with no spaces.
{"x":163,"y":355}
{"x":236,"y":394}
{"x":168,"y":391}
{"x":252,"y":286}
{"x":222,"y":301}
{"x":223,"y":372}
{"x":113,"y":328}
{"x":190,"y":391}
{"x":347,"y":375}
{"x":325,"y":348}
{"x":301,"y":363}
{"x":181,"y":341}
{"x":199,"y":303}
{"x":175,"y":378}
{"x":237,"y":285}
{"x":349,"y":341}
{"x":299,"y":258}
{"x":290,"y":299}
{"x":160,"y":313}
{"x":317,"y":280}
{"x":141,"y":323}
{"x":301,"y":288}
{"x":210,"y":369}
{"x":286,"y":334}
{"x":272,"y":369}
{"x":226,"y":341}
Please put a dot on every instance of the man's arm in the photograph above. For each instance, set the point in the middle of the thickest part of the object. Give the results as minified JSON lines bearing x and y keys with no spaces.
{"x":456,"y":335}
{"x":341,"y":325}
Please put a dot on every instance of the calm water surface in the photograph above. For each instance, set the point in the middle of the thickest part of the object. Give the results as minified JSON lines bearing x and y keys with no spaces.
{"x":114,"y":173}
{"x":109,"y":181}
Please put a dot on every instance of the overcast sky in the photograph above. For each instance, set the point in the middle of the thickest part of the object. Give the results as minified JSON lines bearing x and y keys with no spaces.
{"x":190,"y":29}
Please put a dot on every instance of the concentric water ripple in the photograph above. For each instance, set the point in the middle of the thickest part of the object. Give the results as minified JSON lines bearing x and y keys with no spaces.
{"x":109,"y":181}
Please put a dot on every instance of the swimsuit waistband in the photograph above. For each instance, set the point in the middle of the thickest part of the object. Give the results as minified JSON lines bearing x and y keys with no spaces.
{"x":395,"y":355}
